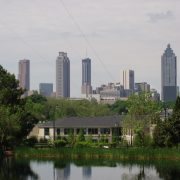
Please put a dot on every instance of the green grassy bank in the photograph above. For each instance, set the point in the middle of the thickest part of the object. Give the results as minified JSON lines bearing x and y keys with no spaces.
{"x":98,"y":153}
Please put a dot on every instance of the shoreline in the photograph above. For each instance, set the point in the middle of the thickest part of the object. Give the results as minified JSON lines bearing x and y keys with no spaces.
{"x":99,"y":153}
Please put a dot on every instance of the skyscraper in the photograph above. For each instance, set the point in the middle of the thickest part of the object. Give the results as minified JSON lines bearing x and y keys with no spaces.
{"x":86,"y":77}
{"x":62,"y":75}
{"x":127,"y":79}
{"x":24,"y":74}
{"x":168,"y":75}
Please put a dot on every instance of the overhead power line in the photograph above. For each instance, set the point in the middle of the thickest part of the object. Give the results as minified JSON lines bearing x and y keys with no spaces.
{"x":85,"y":38}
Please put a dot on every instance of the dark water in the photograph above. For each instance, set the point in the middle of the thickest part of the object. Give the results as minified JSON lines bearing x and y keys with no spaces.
{"x":23,"y":169}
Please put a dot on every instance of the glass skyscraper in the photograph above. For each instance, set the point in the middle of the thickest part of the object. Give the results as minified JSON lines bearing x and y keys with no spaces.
{"x":62,"y":75}
{"x":168,"y":75}
{"x":86,"y":77}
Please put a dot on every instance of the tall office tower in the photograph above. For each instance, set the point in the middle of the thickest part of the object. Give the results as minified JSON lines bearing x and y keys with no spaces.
{"x":86,"y":77}
{"x":127,"y":79}
{"x":62,"y":75}
{"x":168,"y":75}
{"x":24,"y":74}
{"x":46,"y":89}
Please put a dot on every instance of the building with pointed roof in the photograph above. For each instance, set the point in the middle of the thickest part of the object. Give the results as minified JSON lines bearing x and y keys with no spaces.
{"x":168,"y":75}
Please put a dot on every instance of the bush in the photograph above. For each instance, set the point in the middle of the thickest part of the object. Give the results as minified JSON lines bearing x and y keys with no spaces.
{"x":146,"y":141}
{"x":82,"y":144}
{"x":31,"y":141}
{"x":60,"y":143}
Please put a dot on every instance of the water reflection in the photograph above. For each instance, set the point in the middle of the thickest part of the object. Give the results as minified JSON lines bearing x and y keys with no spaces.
{"x":10,"y":169}
{"x":63,"y":173}
{"x":87,"y":171}
{"x":18,"y":169}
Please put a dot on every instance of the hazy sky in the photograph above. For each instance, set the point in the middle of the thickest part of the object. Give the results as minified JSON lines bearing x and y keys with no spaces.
{"x":119,"y":34}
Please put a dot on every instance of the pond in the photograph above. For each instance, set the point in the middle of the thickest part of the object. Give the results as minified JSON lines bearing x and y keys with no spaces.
{"x":22,"y":169}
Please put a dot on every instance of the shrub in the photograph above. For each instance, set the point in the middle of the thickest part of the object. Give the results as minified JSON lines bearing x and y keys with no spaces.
{"x":82,"y":144}
{"x":31,"y":141}
{"x":60,"y":143}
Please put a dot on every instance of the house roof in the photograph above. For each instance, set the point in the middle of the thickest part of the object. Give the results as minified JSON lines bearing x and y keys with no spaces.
{"x":82,"y":122}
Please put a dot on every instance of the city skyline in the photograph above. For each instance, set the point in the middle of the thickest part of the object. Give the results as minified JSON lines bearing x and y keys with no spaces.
{"x":124,"y":35}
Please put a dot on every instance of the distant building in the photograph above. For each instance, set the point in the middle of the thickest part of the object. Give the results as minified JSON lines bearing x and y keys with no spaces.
{"x":62,"y":75}
{"x":168,"y":75}
{"x":46,"y":89}
{"x":155,"y":95}
{"x":110,"y":93}
{"x":142,"y":87}
{"x":86,"y":77}
{"x":127,"y":79}
{"x":24,"y":74}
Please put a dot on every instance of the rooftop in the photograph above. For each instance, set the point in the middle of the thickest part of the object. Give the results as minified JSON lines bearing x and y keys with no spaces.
{"x":82,"y":122}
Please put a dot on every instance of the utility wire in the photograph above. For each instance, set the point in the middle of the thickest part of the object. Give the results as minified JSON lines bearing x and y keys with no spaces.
{"x":85,"y":38}
{"x":25,"y":42}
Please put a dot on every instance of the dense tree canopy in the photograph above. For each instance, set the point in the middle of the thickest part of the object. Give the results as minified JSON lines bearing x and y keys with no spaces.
{"x":15,"y":121}
{"x":167,"y":132}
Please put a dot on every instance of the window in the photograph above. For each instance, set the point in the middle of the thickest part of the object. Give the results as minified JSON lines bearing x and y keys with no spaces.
{"x":105,"y":130}
{"x":92,"y":130}
{"x":46,"y":131}
{"x":58,"y":131}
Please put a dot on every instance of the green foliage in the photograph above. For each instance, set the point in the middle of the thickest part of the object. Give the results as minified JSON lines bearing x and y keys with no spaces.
{"x":81,"y":137}
{"x":71,"y":138}
{"x":167,"y":132}
{"x":37,"y":98}
{"x":16,"y":119}
{"x":142,"y":112}
{"x":83,"y":144}
{"x":73,"y":108}
{"x":89,"y":138}
{"x":30,"y":141}
{"x":143,"y":105}
{"x":9,"y":126}
{"x":119,"y":107}
{"x":60,"y":143}
{"x":142,"y":139}
{"x":10,"y":93}
{"x":103,"y":139}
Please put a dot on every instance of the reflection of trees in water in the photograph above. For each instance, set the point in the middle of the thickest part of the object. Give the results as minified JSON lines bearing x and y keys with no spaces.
{"x":166,"y":170}
{"x":11,"y":169}
{"x":63,"y":169}
{"x":169,"y":170}
{"x":140,"y":171}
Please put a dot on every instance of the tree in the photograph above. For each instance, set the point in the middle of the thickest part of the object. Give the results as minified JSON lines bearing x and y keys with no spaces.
{"x":142,"y":111}
{"x":9,"y":126}
{"x":15,"y":121}
{"x":174,"y":123}
{"x":167,"y":132}
{"x":119,"y":107}
{"x":81,"y":136}
{"x":10,"y":93}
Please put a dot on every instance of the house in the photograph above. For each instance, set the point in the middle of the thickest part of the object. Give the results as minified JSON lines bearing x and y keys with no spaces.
{"x":92,"y":126}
